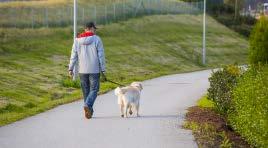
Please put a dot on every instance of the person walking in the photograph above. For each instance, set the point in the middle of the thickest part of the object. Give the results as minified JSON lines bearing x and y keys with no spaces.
{"x":88,"y":51}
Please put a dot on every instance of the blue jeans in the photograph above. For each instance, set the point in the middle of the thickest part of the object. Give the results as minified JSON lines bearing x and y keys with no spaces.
{"x":90,"y":87}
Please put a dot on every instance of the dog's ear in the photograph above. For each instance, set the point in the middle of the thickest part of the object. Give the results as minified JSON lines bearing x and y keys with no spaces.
{"x":137,"y":84}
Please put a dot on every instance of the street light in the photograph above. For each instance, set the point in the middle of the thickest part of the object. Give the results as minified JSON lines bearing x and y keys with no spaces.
{"x":75,"y":21}
{"x":204,"y":35}
{"x":75,"y":70}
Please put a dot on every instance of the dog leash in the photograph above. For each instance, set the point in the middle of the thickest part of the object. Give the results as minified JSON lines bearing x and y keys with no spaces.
{"x":105,"y":79}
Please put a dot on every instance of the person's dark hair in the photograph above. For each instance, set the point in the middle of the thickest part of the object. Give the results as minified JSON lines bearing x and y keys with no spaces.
{"x":90,"y":25}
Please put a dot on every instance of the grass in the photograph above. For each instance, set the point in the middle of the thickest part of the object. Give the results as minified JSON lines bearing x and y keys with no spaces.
{"x":206,"y":135}
{"x":211,"y":129}
{"x":204,"y":102}
{"x":33,"y":62}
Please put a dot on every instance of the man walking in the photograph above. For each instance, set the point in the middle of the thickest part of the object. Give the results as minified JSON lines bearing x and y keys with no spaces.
{"x":89,"y":53}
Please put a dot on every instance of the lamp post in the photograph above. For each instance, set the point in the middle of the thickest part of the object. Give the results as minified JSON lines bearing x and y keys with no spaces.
{"x":204,"y":35}
{"x":75,"y":70}
{"x":75,"y":21}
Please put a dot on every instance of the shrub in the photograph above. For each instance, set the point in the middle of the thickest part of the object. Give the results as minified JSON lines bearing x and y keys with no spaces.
{"x":249,"y":112}
{"x":249,"y":20}
{"x":11,"y":108}
{"x":221,"y":9}
{"x":242,"y":29}
{"x":258,"y":52}
{"x":243,"y":24}
{"x":221,"y":83}
{"x":67,"y":82}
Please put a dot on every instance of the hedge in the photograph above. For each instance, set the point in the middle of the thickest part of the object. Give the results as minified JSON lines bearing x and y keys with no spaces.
{"x":249,"y":112}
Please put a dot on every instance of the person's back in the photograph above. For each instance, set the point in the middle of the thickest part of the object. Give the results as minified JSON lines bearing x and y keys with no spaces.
{"x":89,"y":53}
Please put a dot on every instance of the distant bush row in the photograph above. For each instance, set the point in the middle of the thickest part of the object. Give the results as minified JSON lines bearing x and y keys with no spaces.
{"x":225,"y":14}
{"x":242,"y":96}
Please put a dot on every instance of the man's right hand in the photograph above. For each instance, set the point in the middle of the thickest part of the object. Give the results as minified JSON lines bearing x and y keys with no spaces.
{"x":71,"y":73}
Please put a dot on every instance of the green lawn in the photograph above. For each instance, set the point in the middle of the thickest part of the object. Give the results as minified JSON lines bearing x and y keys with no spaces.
{"x":204,"y":102}
{"x":33,"y":63}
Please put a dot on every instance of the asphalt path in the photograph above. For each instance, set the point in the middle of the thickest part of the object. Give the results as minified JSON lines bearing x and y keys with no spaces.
{"x":164,"y":102}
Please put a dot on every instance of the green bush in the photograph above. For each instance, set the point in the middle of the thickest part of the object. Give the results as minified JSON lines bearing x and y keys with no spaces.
{"x":249,"y":20}
{"x":221,"y":83}
{"x":242,"y":24}
{"x":242,"y":29}
{"x":249,"y":112}
{"x":70,"y":83}
{"x":11,"y":108}
{"x":258,"y":52}
{"x":221,"y":9}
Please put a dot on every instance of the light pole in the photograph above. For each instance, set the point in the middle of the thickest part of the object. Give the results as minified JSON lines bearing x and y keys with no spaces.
{"x":75,"y":70}
{"x":75,"y":21}
{"x":204,"y":35}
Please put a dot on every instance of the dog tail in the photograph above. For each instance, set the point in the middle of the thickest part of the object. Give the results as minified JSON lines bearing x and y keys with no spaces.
{"x":119,"y":90}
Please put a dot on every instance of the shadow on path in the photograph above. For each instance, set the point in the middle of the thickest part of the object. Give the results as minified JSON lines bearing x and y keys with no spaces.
{"x":140,"y":117}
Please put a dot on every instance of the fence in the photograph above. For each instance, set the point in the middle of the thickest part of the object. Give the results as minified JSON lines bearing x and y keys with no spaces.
{"x":63,"y":16}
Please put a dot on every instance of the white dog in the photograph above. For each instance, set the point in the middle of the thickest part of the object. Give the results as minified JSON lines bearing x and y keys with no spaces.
{"x":129,"y":98}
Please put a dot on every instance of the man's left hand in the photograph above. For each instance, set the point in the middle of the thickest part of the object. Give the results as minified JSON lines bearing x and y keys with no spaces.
{"x":103,"y":76}
{"x":71,"y":73}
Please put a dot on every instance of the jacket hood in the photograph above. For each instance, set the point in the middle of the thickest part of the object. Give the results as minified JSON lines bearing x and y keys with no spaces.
{"x":86,"y":38}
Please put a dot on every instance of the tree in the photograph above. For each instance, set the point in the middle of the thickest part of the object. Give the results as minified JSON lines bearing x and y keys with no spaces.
{"x":258,"y":51}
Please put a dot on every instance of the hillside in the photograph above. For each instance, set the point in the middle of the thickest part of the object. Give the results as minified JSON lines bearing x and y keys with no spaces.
{"x":33,"y":63}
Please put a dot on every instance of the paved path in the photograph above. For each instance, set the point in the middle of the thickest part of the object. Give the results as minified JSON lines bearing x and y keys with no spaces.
{"x":164,"y":102}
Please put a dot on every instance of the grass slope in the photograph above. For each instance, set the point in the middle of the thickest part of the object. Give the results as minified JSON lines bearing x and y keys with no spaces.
{"x":33,"y":63}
